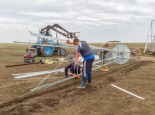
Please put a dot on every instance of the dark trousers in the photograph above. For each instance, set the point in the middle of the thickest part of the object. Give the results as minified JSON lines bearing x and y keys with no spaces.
{"x":87,"y":71}
{"x":73,"y":70}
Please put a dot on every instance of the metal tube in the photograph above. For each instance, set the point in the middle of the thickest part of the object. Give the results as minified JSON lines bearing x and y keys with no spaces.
{"x":38,"y":73}
{"x":63,"y":80}
{"x":21,"y":64}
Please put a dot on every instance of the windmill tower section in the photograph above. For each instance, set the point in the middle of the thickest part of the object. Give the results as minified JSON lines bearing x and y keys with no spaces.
{"x":150,"y":42}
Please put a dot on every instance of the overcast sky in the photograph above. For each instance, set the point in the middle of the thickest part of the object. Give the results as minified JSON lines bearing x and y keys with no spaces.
{"x":96,"y":20}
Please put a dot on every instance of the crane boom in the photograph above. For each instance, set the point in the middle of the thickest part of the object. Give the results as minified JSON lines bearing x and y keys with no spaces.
{"x":57,"y":28}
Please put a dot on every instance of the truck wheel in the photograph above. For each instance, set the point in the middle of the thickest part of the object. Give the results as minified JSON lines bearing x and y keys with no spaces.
{"x":62,"y":52}
{"x":47,"y":51}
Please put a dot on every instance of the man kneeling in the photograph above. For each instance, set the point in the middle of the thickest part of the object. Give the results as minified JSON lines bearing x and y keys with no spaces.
{"x":73,"y":69}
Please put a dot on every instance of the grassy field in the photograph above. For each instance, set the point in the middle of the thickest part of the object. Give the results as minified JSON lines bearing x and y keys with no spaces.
{"x":15,"y":52}
{"x":101,"y":98}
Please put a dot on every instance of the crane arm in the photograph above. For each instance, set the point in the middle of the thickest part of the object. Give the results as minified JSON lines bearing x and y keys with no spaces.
{"x":57,"y":29}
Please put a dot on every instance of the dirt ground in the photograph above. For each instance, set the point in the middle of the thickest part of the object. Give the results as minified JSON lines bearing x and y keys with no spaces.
{"x":136,"y":76}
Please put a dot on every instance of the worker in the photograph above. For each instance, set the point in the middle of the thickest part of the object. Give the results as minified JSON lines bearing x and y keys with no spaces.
{"x":133,"y":54}
{"x":83,"y":49}
{"x":74,"y":70}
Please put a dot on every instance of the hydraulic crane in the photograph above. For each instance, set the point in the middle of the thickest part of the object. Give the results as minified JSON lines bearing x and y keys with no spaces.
{"x":56,"y":47}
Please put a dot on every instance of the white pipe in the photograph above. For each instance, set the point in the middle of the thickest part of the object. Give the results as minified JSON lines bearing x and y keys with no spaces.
{"x":127,"y":92}
{"x":29,"y":73}
{"x":38,"y":73}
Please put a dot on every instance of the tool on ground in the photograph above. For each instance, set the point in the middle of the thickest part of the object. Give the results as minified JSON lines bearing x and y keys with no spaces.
{"x":49,"y":61}
{"x":60,"y":59}
{"x":105,"y":69}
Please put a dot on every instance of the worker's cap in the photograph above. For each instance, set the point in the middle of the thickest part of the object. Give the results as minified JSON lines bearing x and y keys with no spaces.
{"x":75,"y":40}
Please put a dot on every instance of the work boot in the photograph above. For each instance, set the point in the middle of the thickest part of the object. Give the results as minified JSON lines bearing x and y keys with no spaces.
{"x":81,"y":87}
{"x":88,"y":84}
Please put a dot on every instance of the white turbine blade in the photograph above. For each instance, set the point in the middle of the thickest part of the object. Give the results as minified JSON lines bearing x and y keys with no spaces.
{"x":54,"y":45}
{"x":47,"y":37}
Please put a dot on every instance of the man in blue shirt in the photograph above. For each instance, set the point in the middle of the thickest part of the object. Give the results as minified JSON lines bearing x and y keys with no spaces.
{"x":83,"y":49}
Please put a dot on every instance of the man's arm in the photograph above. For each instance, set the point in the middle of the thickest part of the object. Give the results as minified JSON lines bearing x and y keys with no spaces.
{"x":77,"y":55}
